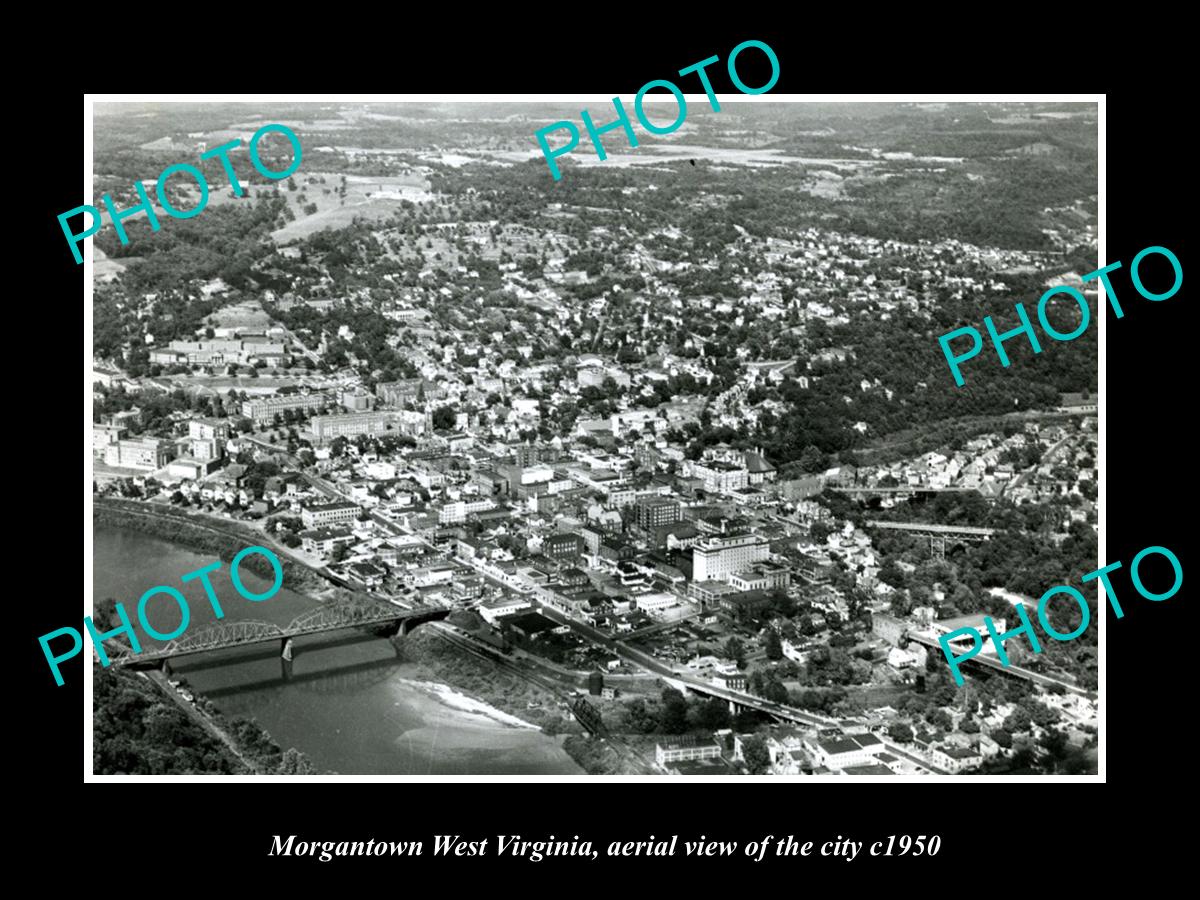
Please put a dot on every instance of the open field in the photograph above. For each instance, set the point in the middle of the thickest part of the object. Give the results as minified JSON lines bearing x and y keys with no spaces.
{"x":107,"y":269}
{"x":370,"y":198}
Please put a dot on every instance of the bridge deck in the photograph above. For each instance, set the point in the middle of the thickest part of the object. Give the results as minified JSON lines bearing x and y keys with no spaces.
{"x":929,"y":528}
{"x":909,"y":489}
{"x":998,"y":666}
{"x":245,"y":634}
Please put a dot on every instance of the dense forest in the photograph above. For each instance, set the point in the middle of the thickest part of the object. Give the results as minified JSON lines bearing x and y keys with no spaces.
{"x":139,"y":731}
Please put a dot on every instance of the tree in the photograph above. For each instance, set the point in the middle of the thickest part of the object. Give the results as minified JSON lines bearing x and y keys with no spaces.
{"x":1002,"y":737}
{"x":812,"y":459}
{"x":340,"y":552}
{"x":1054,"y":742}
{"x":673,"y":719}
{"x":104,"y":614}
{"x":736,"y":650}
{"x":295,"y":763}
{"x":774,"y":646}
{"x":1043,"y":716}
{"x":939,"y":718}
{"x":444,"y":418}
{"x":900,"y":733}
{"x":712,"y":715}
{"x":820,"y":531}
{"x":1018,"y":721}
{"x":775,"y":692}
{"x":755,"y":754}
{"x":639,"y":718}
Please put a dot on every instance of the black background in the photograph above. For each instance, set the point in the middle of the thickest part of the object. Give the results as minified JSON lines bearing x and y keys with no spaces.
{"x":991,"y":832}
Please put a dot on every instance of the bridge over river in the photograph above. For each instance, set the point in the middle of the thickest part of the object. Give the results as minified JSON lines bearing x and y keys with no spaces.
{"x":242,"y":634}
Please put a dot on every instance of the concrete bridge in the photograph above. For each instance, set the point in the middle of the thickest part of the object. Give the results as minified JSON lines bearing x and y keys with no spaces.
{"x":241,"y":634}
{"x":909,"y":490}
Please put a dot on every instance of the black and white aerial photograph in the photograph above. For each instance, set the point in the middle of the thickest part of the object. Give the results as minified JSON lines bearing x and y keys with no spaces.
{"x":409,"y":458}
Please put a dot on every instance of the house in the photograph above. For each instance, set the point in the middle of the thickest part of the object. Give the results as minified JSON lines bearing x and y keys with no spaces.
{"x":321,"y":541}
{"x":955,"y":759}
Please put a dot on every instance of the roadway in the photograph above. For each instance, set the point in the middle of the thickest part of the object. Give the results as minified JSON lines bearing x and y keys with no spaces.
{"x":912,"y":758}
{"x":1048,"y":458}
{"x":909,"y":489}
{"x":658,"y":667}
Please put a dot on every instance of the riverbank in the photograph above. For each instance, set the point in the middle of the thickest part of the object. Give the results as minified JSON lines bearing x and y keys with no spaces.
{"x":438,"y":660}
{"x":220,"y":537}
{"x":455,"y":713}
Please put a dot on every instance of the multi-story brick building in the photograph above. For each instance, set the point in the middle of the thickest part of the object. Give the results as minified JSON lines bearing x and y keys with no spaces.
{"x":655,"y":511}
{"x":262,"y":410}
{"x":142,"y":453}
{"x":563,"y":546}
{"x":326,"y":428}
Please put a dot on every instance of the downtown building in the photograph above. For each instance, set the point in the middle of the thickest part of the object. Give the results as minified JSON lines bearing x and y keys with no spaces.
{"x":655,"y":511}
{"x":719,"y":476}
{"x":141,"y":453}
{"x":412,"y":390}
{"x":717,"y":557}
{"x":323,"y":514}
{"x":262,"y":411}
{"x":325,"y":428}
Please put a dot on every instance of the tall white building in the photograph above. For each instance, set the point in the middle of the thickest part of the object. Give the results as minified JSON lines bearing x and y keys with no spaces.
{"x":715,"y":558}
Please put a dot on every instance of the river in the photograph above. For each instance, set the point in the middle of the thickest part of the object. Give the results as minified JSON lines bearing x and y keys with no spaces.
{"x":349,"y":704}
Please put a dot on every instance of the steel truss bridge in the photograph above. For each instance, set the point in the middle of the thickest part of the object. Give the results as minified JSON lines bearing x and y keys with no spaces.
{"x":242,"y":634}
{"x":938,"y":534}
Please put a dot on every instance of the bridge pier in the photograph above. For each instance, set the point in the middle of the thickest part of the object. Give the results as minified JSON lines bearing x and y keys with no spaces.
{"x":285,"y":649}
{"x":165,"y":667}
{"x":937,"y":546}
